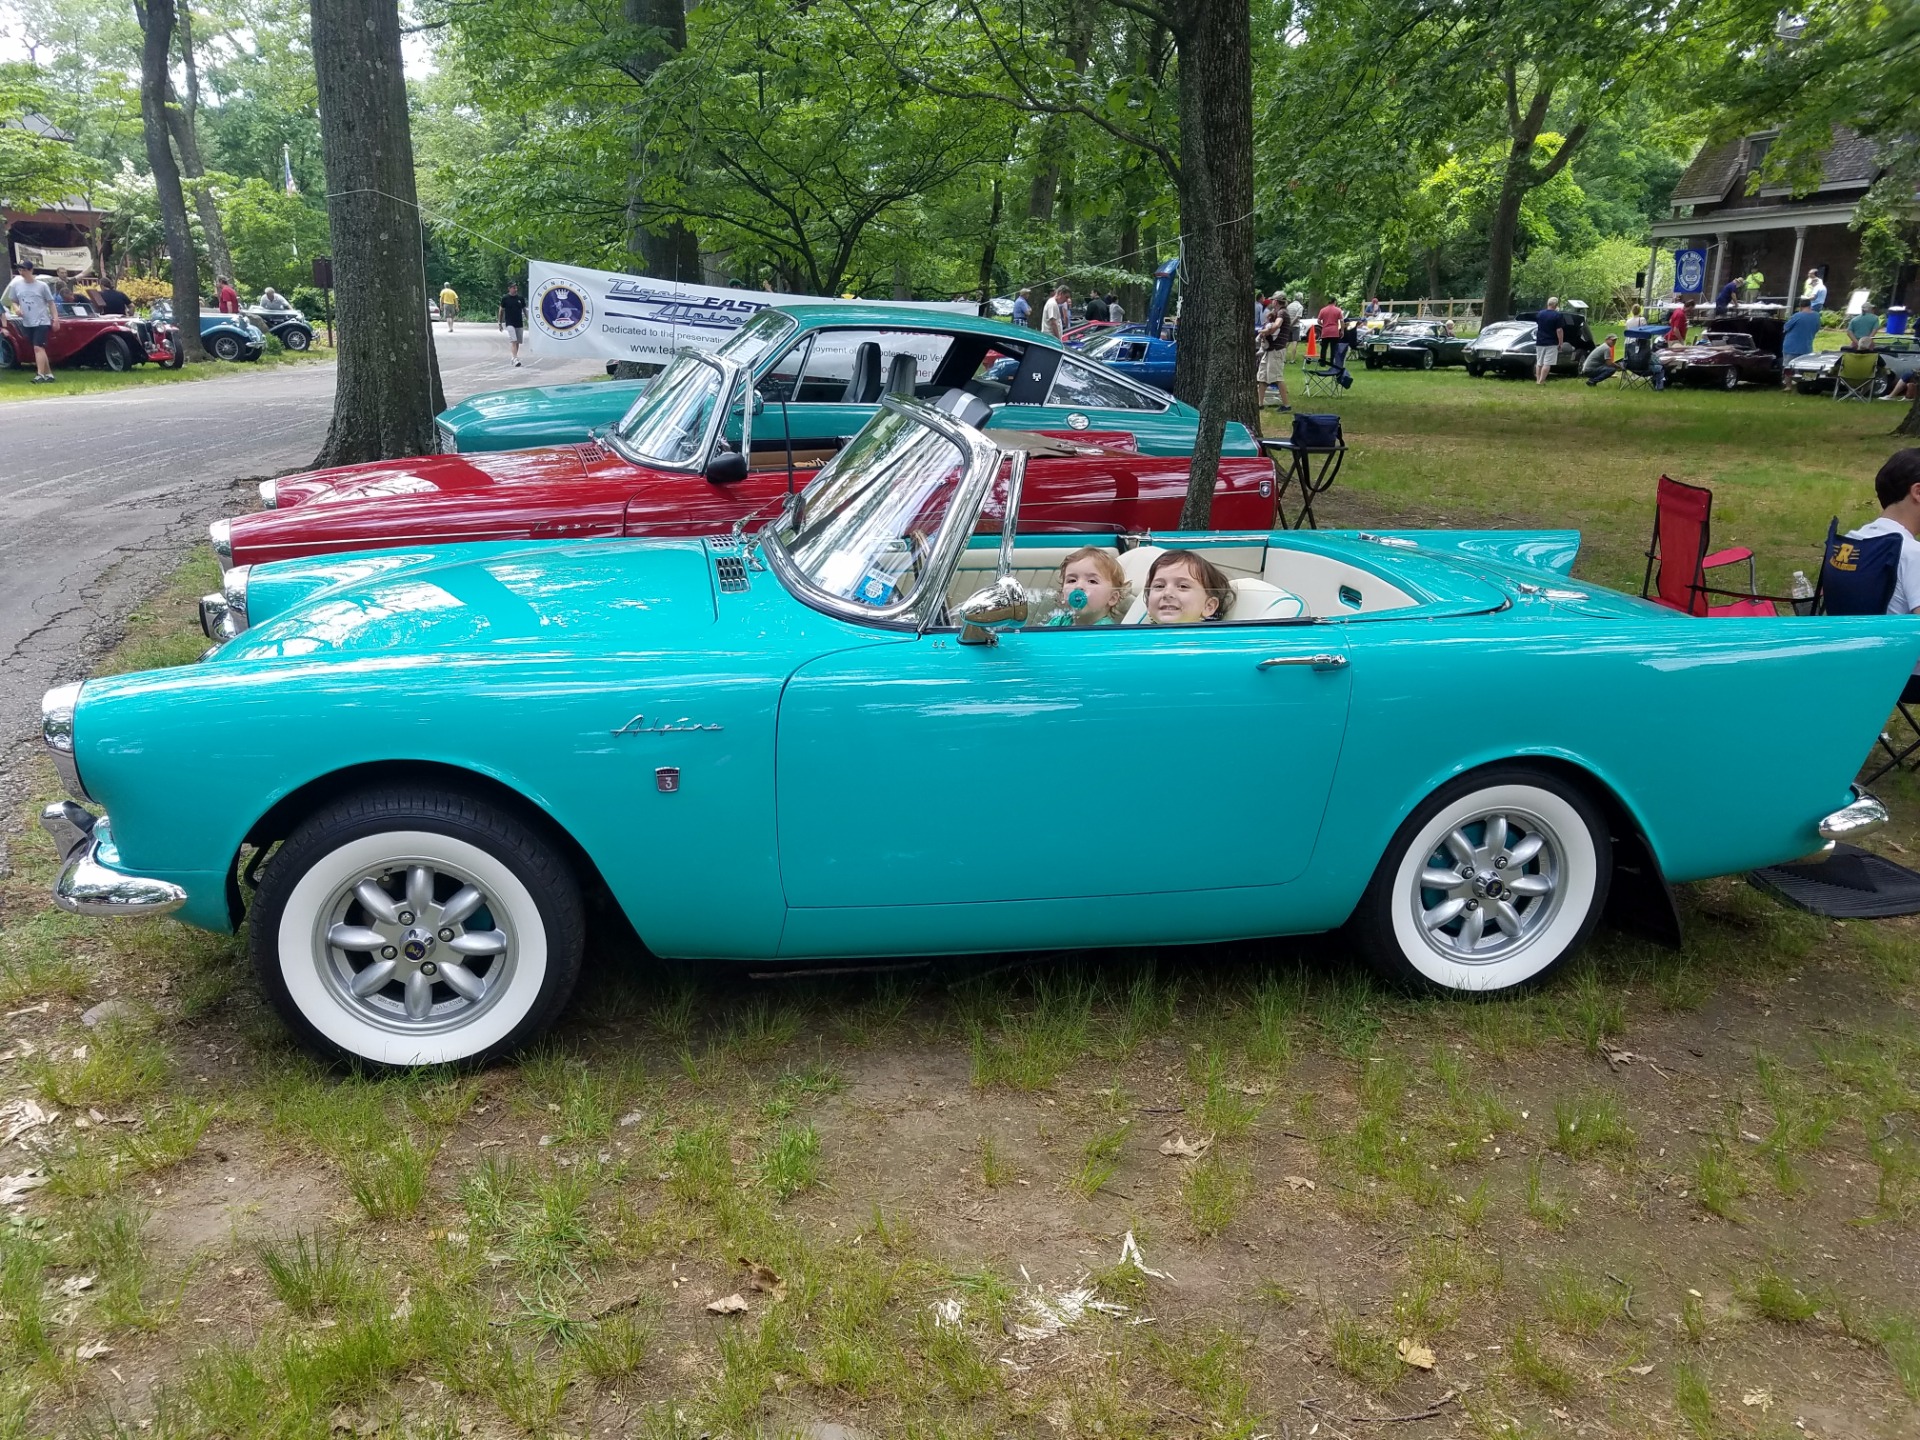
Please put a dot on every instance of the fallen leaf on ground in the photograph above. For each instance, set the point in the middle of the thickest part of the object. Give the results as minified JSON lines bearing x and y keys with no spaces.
{"x":735,"y":1304}
{"x":92,"y":1350}
{"x":1759,"y":1398}
{"x":1418,"y":1356}
{"x":1184,"y":1149}
{"x":1300,"y":1182}
{"x":1639,"y":1369}
{"x":762,"y":1278}
{"x":75,"y":1285}
{"x":19,"y":1116}
{"x":15,"y":1187}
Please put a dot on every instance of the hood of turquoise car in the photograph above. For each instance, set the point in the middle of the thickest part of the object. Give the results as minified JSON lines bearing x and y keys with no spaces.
{"x":538,"y":409}
{"x":610,"y":597}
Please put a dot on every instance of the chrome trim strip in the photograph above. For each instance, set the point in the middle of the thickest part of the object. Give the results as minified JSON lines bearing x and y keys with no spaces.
{"x":1865,"y":815}
{"x":56,"y":733}
{"x":85,"y":886}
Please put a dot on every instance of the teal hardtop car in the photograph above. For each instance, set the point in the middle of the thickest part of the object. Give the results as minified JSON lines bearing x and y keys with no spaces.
{"x":821,"y":369}
{"x":856,"y":732}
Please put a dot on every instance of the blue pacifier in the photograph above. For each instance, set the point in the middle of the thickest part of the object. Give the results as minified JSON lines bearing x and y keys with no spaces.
{"x":1076,"y":599}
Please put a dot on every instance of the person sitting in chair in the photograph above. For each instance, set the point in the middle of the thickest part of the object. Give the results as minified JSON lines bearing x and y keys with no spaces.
{"x":1898,"y":488}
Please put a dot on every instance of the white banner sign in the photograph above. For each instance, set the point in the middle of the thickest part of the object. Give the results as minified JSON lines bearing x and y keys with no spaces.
{"x":49,"y":258}
{"x":600,"y":315}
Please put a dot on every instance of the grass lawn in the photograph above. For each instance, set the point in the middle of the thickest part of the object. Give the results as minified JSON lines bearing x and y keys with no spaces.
{"x":1223,"y":1191}
{"x":1442,"y":448}
{"x":17,"y":383}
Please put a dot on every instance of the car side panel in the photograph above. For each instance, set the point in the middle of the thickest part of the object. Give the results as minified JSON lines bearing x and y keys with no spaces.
{"x":1727,"y":740}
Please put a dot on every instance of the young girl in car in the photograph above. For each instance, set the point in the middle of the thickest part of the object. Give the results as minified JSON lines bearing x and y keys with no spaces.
{"x":1093,"y":591}
{"x":1186,"y":589}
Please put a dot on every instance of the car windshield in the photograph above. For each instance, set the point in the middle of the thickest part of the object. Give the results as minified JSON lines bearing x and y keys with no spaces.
{"x":759,"y":335}
{"x":1111,"y":347}
{"x":867,"y":529}
{"x":668,"y":424}
{"x":1738,"y":342}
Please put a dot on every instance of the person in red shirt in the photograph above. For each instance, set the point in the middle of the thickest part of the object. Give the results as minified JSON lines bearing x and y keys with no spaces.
{"x":1677,"y":323}
{"x":1330,"y":319}
{"x":229,"y":297}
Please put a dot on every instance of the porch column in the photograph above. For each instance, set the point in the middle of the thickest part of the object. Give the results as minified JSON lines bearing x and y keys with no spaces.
{"x":1793,"y":275}
{"x":1653,"y":269}
{"x":1719,"y":259}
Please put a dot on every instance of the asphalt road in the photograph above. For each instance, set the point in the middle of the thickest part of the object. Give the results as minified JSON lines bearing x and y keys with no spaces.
{"x":100,"y":494}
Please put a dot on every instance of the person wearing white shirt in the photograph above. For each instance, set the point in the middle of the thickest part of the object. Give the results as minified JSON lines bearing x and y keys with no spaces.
{"x":1058,"y":313}
{"x":32,"y":300}
{"x":1815,"y":291}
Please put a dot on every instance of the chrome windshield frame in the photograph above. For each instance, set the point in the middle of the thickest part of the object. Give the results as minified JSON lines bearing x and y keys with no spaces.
{"x":733,"y":376}
{"x":980,"y":462}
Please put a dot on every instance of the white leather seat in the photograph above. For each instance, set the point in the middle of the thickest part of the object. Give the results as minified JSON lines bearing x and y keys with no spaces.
{"x":1135,"y":563}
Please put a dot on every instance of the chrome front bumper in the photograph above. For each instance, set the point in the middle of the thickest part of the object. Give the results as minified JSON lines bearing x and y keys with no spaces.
{"x":1865,"y":815}
{"x":87,"y":887}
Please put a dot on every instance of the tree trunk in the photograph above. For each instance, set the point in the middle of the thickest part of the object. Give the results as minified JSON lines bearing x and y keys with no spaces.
{"x":1910,"y":422}
{"x":1046,"y":179}
{"x":992,"y":245}
{"x":156,"y":50}
{"x":1520,"y":176}
{"x":1498,"y":304}
{"x":667,"y":251}
{"x":388,"y":387}
{"x":1216,"y":354}
{"x":184,"y":122}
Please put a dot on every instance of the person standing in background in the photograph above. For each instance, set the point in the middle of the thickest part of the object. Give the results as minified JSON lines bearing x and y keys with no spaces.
{"x":1816,"y":291}
{"x":1096,"y":307}
{"x":1329,"y":322}
{"x":1115,"y":315}
{"x":1677,"y":322}
{"x":1796,"y":338}
{"x":1058,"y":314}
{"x":1723,"y":302}
{"x":1023,"y":309}
{"x":512,"y":318}
{"x":1549,"y":334}
{"x":111,"y":301}
{"x":228,"y":299}
{"x":1297,"y":312}
{"x":1863,"y":327}
{"x":449,"y":304}
{"x":32,"y":300}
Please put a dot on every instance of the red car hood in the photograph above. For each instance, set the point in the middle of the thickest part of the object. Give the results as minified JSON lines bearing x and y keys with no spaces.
{"x":439,"y":474}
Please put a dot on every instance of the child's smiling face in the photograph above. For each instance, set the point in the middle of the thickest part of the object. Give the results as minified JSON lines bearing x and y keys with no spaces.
{"x":1177,"y":596}
{"x":1087,"y":577}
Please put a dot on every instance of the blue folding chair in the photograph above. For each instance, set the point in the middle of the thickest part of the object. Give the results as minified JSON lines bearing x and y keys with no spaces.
{"x":1857,"y":577}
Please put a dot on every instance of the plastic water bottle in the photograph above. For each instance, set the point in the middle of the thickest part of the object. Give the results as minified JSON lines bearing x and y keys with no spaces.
{"x":1802,"y":592}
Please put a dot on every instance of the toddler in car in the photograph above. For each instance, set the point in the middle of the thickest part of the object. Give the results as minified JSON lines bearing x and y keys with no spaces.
{"x":1093,"y":591}
{"x":1184,"y":588}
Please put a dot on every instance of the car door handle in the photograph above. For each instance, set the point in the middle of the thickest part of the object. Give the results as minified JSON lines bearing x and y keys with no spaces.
{"x":1318,"y":662}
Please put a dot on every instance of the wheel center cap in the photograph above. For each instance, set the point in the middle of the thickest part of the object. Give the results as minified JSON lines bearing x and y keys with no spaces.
{"x":1489,"y":886}
{"x":417,"y":944}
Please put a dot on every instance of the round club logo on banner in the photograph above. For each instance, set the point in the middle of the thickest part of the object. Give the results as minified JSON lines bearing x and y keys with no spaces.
{"x":561,"y":309}
{"x":1689,"y":271}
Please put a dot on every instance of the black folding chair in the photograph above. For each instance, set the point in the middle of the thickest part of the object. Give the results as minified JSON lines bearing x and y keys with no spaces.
{"x":1857,"y":577}
{"x":1307,"y":463}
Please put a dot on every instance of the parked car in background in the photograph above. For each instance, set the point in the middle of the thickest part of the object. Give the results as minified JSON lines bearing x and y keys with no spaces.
{"x":1137,"y":355}
{"x":86,"y":337}
{"x":822,"y":368}
{"x":1506,"y":347}
{"x":1422,"y":344}
{"x":1899,"y":361}
{"x":1726,"y":356}
{"x":225,"y":337}
{"x":290,"y":327}
{"x":689,"y":461}
{"x":419,"y":778}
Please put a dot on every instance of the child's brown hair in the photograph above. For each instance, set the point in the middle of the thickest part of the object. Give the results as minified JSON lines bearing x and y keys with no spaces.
{"x":1108,"y":567}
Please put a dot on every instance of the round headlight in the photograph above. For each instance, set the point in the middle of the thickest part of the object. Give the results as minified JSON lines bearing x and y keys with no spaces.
{"x":269,"y":494}
{"x":221,"y":532}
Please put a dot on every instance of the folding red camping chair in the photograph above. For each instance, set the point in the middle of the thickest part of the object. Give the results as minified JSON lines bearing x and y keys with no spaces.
{"x":1678,"y":562}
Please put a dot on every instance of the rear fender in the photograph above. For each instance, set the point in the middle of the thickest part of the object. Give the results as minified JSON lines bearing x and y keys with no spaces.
{"x":1552,"y":551}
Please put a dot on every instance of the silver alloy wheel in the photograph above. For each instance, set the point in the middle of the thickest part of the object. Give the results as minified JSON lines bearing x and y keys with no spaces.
{"x":1489,"y":888}
{"x":416,"y":948}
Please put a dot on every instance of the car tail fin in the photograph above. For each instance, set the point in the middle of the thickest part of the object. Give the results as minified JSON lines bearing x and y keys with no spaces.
{"x":1553,"y":551}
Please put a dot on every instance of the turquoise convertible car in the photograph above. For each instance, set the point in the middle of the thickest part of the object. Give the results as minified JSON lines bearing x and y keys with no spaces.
{"x":822,"y":369}
{"x":847,"y":735}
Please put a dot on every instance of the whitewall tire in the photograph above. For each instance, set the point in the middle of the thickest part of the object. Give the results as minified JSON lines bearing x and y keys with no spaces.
{"x":1492,"y":883}
{"x":411,"y":928}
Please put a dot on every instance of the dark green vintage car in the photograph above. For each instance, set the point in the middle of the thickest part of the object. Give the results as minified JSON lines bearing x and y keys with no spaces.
{"x":1422,"y":344}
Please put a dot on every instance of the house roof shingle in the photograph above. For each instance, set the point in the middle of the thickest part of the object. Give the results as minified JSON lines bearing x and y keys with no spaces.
{"x":1710,"y":176}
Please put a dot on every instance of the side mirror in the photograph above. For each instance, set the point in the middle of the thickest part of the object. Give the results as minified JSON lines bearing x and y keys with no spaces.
{"x":759,"y":404}
{"x":985,"y":613}
{"x":727,"y":467}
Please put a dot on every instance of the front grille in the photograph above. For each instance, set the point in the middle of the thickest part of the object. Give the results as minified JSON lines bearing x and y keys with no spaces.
{"x":448,"y":445}
{"x":731,"y":571}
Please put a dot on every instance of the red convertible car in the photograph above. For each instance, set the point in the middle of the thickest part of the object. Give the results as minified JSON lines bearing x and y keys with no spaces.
{"x":692,"y":459}
{"x":1740,"y":351}
{"x":85,"y":337}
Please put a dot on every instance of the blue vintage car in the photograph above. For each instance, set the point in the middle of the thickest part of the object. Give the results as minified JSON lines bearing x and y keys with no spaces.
{"x":1139,"y":356}
{"x":225,"y":337}
{"x":838,"y":737}
{"x":822,"y":369}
